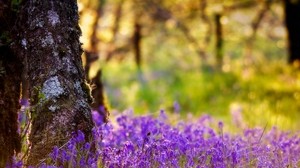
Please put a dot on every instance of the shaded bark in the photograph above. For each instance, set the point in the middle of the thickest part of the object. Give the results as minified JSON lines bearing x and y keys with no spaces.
{"x":10,"y":79}
{"x":292,"y":17}
{"x":48,"y":37}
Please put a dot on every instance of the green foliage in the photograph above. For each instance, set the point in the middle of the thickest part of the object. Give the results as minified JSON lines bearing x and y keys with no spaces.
{"x":265,"y":94}
{"x":268,"y":91}
{"x":254,"y":76}
{"x":41,"y":95}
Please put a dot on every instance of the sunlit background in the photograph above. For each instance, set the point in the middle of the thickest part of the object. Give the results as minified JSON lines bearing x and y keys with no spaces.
{"x":225,"y":58}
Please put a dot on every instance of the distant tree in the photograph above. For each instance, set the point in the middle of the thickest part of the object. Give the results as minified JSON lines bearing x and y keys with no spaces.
{"x":219,"y":39}
{"x":91,"y":56}
{"x":256,"y":22}
{"x":292,"y":17}
{"x":205,"y":19}
{"x":136,"y":40}
{"x":115,"y":30}
{"x":47,"y":36}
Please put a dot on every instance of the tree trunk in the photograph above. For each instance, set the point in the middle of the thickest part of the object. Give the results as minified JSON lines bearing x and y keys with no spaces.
{"x":99,"y":99}
{"x":91,"y":56}
{"x":292,"y":17}
{"x":137,"y":38}
{"x":10,"y":78}
{"x":112,"y":46}
{"x":219,"y":40}
{"x":48,"y":35}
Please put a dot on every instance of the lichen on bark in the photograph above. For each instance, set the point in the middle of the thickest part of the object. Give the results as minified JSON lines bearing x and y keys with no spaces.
{"x":53,"y":17}
{"x":52,"y":88}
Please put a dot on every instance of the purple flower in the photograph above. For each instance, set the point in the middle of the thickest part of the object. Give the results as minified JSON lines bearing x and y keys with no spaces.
{"x":176,"y":107}
{"x":54,"y":153}
{"x":162,"y":115}
{"x":16,"y":163}
{"x":87,"y":146}
{"x":129,"y":147}
{"x":79,"y":136}
{"x":21,"y":116}
{"x":146,"y":141}
{"x":98,"y":119}
{"x":220,"y":125}
{"x":24,"y":102}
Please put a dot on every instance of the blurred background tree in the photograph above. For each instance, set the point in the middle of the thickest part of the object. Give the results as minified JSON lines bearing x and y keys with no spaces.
{"x":292,"y":16}
{"x":208,"y":56}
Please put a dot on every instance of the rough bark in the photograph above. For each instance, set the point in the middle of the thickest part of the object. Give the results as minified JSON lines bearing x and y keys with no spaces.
{"x":292,"y":17}
{"x":48,"y":36}
{"x":10,"y":78}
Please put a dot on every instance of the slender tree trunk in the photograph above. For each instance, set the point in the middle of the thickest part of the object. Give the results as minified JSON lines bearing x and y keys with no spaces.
{"x":10,"y":79}
{"x":48,"y":35}
{"x":292,"y":17}
{"x":219,"y":40}
{"x":118,"y":15}
{"x":99,"y":99}
{"x":137,"y":38}
{"x":91,"y":56}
